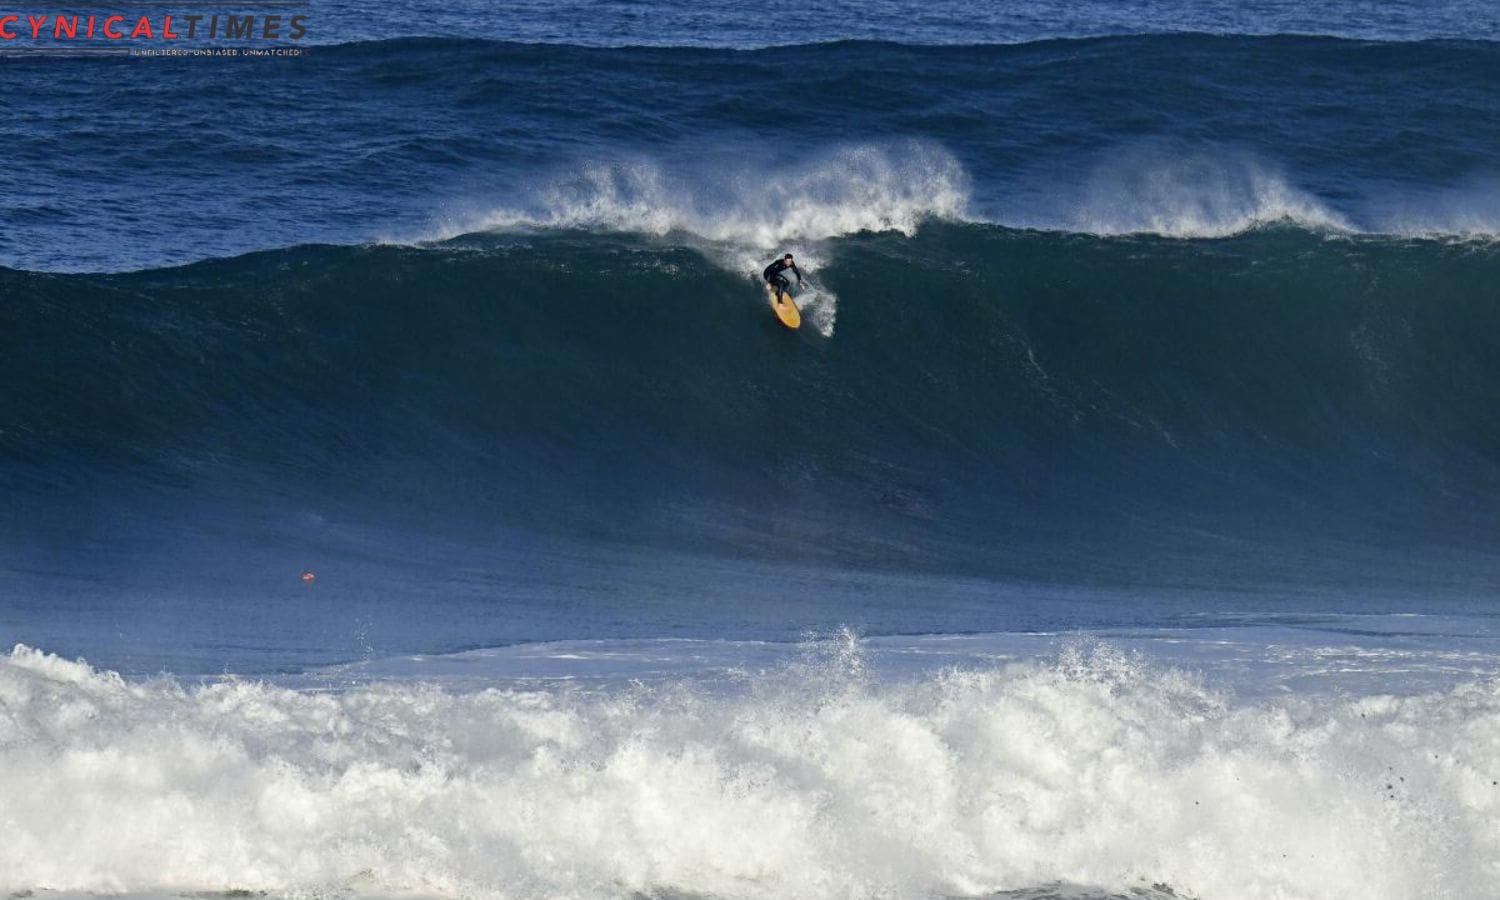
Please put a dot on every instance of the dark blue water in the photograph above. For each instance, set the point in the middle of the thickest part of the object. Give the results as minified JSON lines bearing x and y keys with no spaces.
{"x":718,"y":23}
{"x":1121,"y":313}
{"x":997,"y":430}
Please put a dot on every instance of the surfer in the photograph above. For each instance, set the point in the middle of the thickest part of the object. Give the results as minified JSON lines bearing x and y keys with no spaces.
{"x":777,"y":280}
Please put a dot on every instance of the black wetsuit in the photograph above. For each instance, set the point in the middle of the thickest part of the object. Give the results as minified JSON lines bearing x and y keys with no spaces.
{"x":777,"y":280}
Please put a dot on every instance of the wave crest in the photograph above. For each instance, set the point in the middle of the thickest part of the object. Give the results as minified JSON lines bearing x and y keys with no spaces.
{"x":753,"y":207}
{"x":1197,"y":195}
{"x":868,"y":187}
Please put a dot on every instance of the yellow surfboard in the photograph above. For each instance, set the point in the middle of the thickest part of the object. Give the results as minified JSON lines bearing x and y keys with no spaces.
{"x":786,"y":310}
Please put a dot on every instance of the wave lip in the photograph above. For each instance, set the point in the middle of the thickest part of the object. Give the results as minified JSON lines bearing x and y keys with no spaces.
{"x":848,"y":189}
{"x":1197,"y":195}
{"x":740,"y":212}
{"x":813,"y":780}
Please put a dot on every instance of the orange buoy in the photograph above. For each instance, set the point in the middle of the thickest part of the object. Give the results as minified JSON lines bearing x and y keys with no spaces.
{"x":308,"y":576}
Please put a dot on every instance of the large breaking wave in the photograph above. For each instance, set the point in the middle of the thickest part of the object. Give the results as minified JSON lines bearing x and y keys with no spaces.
{"x":984,"y":389}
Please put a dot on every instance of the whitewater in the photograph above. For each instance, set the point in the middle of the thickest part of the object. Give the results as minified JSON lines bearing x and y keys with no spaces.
{"x":838,"y":768}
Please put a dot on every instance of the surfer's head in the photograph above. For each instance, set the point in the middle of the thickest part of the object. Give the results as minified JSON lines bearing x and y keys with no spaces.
{"x":788,"y":257}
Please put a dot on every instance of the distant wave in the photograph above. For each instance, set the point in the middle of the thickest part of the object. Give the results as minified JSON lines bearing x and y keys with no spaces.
{"x":813,"y":780}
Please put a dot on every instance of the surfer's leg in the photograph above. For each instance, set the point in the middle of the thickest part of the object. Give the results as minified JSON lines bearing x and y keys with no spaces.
{"x":781,"y":285}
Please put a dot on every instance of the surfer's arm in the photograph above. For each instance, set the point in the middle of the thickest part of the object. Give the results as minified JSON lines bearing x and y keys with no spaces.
{"x":799,"y":274}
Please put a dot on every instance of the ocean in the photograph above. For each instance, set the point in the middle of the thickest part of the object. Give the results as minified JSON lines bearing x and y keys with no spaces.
{"x":409,"y":494}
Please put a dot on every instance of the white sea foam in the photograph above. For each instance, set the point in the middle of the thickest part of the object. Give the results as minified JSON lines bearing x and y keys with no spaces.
{"x":1218,"y":192}
{"x":812,"y":780}
{"x":1198,"y":195}
{"x":741,"y":210}
{"x":754,"y":205}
